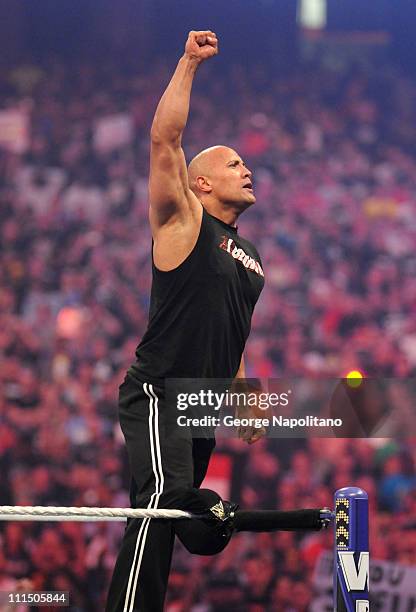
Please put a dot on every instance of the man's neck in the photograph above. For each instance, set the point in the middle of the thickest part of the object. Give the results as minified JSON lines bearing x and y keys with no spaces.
{"x":227,"y":214}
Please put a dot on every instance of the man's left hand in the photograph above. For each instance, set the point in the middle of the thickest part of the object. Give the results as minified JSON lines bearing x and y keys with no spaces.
{"x":251,"y":434}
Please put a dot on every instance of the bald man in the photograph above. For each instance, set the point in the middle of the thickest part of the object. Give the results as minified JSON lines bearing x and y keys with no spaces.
{"x":206,"y":282}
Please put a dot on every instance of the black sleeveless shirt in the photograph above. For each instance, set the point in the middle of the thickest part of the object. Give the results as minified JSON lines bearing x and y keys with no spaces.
{"x":200,"y":312}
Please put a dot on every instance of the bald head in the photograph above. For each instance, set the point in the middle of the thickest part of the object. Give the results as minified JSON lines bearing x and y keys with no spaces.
{"x":221,"y":180}
{"x":204,"y":164}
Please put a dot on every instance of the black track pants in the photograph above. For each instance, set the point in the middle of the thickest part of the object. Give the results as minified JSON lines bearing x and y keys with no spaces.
{"x":167,"y":468}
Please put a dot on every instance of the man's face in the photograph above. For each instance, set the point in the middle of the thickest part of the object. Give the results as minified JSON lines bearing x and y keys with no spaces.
{"x":230,"y":179}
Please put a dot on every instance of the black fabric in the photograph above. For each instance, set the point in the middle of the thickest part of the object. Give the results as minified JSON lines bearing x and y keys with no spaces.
{"x":200,"y":312}
{"x":275,"y":520}
{"x":199,"y":321}
{"x":163,"y":459}
{"x":168,"y":467}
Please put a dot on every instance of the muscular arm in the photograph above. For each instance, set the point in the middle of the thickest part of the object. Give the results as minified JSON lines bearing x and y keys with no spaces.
{"x":170,"y":196}
{"x":173,"y":109}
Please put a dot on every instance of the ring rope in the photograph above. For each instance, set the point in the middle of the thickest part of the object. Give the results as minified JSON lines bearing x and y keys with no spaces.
{"x":72,"y":513}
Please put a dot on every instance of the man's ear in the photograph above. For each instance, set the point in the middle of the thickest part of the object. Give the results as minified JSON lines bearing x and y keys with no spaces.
{"x":204,"y":184}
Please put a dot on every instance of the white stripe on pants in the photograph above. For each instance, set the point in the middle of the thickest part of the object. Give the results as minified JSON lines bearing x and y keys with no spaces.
{"x":154,"y":500}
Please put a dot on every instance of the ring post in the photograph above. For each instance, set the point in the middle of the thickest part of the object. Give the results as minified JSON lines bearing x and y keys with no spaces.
{"x":351,"y":554}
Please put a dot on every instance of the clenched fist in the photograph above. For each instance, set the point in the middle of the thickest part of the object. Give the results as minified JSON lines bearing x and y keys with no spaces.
{"x":201,"y":45}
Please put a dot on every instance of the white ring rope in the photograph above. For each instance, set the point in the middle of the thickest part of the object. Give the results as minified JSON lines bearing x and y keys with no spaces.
{"x":71,"y":513}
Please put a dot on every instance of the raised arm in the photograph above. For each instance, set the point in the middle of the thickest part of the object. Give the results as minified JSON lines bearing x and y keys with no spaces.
{"x":170,"y":196}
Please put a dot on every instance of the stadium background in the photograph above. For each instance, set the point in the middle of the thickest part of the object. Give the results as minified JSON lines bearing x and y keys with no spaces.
{"x":325,"y":117}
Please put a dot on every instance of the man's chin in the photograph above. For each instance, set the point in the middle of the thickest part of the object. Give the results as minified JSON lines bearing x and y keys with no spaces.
{"x":247,"y":202}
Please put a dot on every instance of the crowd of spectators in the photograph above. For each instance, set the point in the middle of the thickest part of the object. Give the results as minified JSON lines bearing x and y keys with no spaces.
{"x":334,"y":164}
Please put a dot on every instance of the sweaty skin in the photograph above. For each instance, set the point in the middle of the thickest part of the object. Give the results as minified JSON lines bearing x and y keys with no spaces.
{"x":217,"y":177}
{"x":202,"y":164}
{"x":222,"y":182}
{"x":175,"y":205}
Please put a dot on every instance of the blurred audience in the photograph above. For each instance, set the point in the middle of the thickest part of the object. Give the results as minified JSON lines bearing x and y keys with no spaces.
{"x":334,"y":165}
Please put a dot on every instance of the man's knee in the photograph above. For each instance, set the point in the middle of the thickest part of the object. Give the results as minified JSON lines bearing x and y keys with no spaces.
{"x":209,"y":534}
